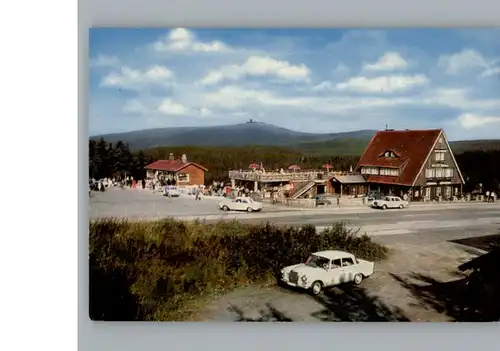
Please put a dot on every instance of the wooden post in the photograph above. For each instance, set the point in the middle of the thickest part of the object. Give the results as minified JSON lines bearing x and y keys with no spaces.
{"x":255,"y":186}
{"x":340,"y":189}
{"x":233,"y":183}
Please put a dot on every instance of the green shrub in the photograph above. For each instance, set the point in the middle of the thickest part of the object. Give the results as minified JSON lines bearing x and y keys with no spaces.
{"x":149,"y":270}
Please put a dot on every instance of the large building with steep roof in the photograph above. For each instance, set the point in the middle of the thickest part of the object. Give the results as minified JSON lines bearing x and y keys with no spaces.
{"x":416,"y":162}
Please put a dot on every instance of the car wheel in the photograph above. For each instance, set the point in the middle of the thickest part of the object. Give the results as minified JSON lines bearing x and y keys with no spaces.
{"x":384,"y":207}
{"x":316,"y":288}
{"x":249,"y":209}
{"x":401,"y":206}
{"x":225,"y":208}
{"x":358,"y":278}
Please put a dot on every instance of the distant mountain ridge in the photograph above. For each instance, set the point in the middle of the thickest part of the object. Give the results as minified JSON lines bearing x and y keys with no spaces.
{"x":254,"y":133}
{"x":258,"y":133}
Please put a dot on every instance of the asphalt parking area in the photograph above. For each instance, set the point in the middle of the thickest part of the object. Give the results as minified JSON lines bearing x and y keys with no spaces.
{"x":139,"y":204}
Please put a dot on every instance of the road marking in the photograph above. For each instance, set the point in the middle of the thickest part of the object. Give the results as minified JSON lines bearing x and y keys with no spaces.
{"x":390,"y":232}
{"x":421,"y":215}
{"x":371,"y":233}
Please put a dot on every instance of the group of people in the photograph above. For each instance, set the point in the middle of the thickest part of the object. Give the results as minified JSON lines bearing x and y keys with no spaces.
{"x":491,"y":196}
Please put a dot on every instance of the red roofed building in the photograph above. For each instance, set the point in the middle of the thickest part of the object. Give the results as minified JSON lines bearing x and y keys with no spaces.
{"x":183,"y":171}
{"x":417,"y":162}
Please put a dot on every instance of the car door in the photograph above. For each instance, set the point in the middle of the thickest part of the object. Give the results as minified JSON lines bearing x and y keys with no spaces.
{"x":392,"y":203}
{"x":397,"y":202}
{"x":245,"y":204}
{"x":349,"y":269}
{"x":335,"y":273}
{"x":236,"y":205}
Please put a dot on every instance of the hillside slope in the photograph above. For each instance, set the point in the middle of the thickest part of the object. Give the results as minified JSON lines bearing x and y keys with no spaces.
{"x":262,"y":134}
{"x":255,"y":133}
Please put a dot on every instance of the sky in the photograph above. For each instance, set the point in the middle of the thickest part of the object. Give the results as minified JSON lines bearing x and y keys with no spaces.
{"x":311,"y":80}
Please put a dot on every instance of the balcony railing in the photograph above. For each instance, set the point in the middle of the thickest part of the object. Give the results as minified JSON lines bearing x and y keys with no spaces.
{"x":285,"y":176}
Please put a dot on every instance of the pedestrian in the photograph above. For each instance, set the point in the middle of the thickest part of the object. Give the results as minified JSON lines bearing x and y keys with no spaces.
{"x":143,"y":182}
{"x":197,"y":193}
{"x":488,"y":196}
{"x":338,"y":200}
{"x":493,"y":196}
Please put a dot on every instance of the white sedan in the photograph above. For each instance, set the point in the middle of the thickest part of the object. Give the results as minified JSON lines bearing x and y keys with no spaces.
{"x":390,"y":202}
{"x":240,"y":204}
{"x":326,"y":269}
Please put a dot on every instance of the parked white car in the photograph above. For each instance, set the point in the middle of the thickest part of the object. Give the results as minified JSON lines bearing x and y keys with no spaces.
{"x":171,"y":190}
{"x":241,"y":204}
{"x":326,"y":269}
{"x":390,"y":202}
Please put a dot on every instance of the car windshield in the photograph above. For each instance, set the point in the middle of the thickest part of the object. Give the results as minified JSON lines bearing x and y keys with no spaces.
{"x":317,"y":261}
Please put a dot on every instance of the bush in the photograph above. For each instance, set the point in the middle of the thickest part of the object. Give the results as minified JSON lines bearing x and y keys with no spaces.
{"x":150,"y":270}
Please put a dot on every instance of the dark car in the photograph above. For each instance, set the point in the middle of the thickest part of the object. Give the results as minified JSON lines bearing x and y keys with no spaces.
{"x":322,"y":200}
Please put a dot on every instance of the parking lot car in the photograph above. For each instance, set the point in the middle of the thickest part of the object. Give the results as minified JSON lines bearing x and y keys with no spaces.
{"x":389,"y":202}
{"x":172,"y":191}
{"x":241,"y":204}
{"x":322,"y":200}
{"x":326,"y":269}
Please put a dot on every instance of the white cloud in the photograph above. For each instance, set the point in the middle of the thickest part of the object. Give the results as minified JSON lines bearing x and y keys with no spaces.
{"x":105,"y":61}
{"x":470,"y":121}
{"x":457,"y":98}
{"x":384,"y":84}
{"x":132,"y":79}
{"x":258,"y":66}
{"x":204,"y":112}
{"x":231,"y":97}
{"x":324,"y":86}
{"x":491,"y":71}
{"x":467,"y":59}
{"x":183,"y":40}
{"x":168,"y":107}
{"x":244,"y":100}
{"x":390,"y":61}
{"x":135,"y":106}
{"x":341,"y":69}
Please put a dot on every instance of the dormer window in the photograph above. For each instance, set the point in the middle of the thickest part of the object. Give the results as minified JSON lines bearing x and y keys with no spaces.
{"x":389,"y":154}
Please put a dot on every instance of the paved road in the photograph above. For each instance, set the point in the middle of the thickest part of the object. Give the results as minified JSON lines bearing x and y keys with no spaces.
{"x":418,"y":223}
{"x":425,"y":225}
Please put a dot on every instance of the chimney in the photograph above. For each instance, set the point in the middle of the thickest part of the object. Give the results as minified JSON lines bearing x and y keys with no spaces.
{"x":171,"y":157}
{"x":184,"y":158}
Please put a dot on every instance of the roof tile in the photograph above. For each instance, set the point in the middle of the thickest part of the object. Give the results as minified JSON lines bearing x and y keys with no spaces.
{"x":171,"y":165}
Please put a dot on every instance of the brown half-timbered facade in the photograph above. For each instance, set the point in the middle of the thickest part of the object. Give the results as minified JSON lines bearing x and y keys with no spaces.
{"x":419,"y":163}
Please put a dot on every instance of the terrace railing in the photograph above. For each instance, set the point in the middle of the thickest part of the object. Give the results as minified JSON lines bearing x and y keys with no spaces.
{"x":303,"y":175}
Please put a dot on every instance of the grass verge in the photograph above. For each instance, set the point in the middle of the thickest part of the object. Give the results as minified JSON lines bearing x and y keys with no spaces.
{"x":155,"y":271}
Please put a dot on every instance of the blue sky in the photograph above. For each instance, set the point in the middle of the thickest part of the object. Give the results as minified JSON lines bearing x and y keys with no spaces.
{"x":316,"y":80}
